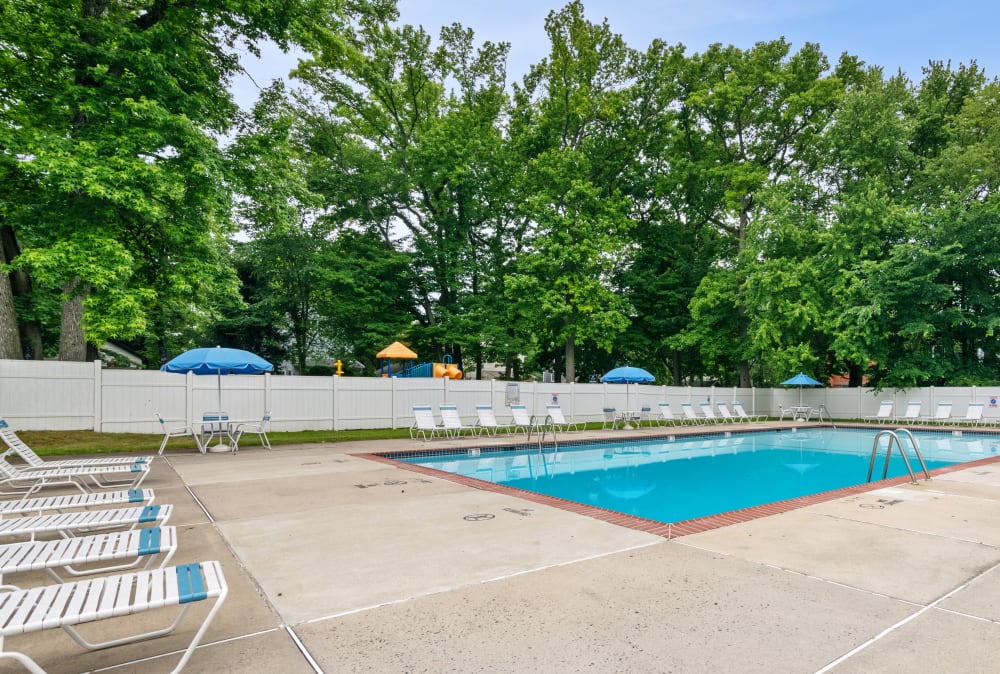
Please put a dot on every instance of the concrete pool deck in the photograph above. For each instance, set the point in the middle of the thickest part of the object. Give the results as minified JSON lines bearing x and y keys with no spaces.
{"x":337,"y":563}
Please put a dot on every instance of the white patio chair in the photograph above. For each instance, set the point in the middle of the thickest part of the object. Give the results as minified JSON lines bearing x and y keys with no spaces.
{"x":941,"y":415}
{"x":258,"y":427}
{"x":523,"y":422}
{"x":84,"y":521}
{"x":726,"y":414}
{"x":93,"y":599}
{"x":741,"y":413}
{"x":32,"y":460}
{"x":79,"y":556}
{"x":645,"y":417}
{"x":690,"y":415}
{"x":708,"y":414}
{"x":487,"y":422}
{"x":75,"y":501}
{"x":424,"y":424}
{"x":973,"y":414}
{"x":452,"y":422}
{"x":884,"y":413}
{"x":176,"y":431}
{"x":14,"y":480}
{"x":559,"y":420}
{"x":667,"y":417}
{"x":912,"y":413}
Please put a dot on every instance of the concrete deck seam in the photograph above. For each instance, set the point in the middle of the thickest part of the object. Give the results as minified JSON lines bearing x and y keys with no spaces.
{"x":484,"y":581}
{"x":892,"y":628}
{"x":200,"y":504}
{"x":962,"y":614}
{"x":303,"y":650}
{"x":920,"y":532}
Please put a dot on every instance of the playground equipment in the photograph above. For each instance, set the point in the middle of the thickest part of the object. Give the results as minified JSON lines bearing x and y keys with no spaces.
{"x":406,"y":368}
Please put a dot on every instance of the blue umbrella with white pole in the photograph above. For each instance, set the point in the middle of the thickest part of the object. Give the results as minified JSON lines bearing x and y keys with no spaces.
{"x":627,"y":375}
{"x":800,"y":380}
{"x":218,"y":361}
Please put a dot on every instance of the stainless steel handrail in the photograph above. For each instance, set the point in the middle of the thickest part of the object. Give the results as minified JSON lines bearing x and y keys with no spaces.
{"x":894,"y":437}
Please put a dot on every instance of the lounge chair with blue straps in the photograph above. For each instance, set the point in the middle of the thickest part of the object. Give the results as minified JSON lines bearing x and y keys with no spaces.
{"x":17,"y":446}
{"x":82,"y":522}
{"x":83,"y":601}
{"x":75,"y":501}
{"x":15,"y":480}
{"x":86,"y":555}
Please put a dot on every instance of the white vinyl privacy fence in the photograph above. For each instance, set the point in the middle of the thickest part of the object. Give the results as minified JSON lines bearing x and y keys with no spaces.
{"x":51,"y":395}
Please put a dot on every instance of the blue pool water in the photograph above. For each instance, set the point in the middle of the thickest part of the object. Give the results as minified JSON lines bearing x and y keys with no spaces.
{"x":677,"y":478}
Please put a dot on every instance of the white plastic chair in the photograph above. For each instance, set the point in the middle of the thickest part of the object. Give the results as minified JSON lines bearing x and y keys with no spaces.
{"x":487,"y":421}
{"x":941,"y":415}
{"x":912,"y":412}
{"x":84,"y":601}
{"x":708,"y":414}
{"x":75,"y":501}
{"x":727,"y":415}
{"x":452,"y":422}
{"x":741,"y":413}
{"x":176,"y":432}
{"x":667,"y":417}
{"x":973,"y":414}
{"x":522,"y":420}
{"x":690,"y":415}
{"x":33,"y":460}
{"x":258,"y":427}
{"x":611,"y":418}
{"x":559,"y":420}
{"x":424,"y":424}
{"x":119,"y":550}
{"x":14,"y":480}
{"x":884,"y":413}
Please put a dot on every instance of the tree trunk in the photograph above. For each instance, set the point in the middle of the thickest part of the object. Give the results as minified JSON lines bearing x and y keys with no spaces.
{"x":72,"y":345}
{"x":10,"y":338}
{"x":20,"y":283}
{"x":570,"y":359}
{"x":675,"y":367}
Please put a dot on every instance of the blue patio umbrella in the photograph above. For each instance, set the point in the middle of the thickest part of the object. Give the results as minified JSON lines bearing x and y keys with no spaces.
{"x":218,"y":361}
{"x":800,"y":380}
{"x":627,"y":375}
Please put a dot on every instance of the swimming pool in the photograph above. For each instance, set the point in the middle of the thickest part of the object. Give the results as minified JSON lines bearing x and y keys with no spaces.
{"x":677,"y":478}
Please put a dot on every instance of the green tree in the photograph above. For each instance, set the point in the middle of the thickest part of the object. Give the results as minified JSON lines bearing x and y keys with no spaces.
{"x":567,"y":122}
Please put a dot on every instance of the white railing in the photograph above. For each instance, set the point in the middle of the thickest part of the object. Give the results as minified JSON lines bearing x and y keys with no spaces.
{"x":53,"y":395}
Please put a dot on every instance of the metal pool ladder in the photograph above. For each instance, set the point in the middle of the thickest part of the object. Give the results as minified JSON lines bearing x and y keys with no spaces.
{"x":894,"y":438}
{"x":548,"y":424}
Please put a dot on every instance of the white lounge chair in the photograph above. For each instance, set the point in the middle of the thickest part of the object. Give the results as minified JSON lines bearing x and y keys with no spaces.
{"x":973,"y":414}
{"x":75,"y":501}
{"x":84,"y":521}
{"x":424,"y":424}
{"x":14,"y":480}
{"x":258,"y":427}
{"x":912,"y":412}
{"x":176,"y":431}
{"x":941,"y":416}
{"x":708,"y":414}
{"x":727,"y":416}
{"x":523,"y":422}
{"x":80,"y":555}
{"x":559,"y":420}
{"x":667,"y":417}
{"x":82,"y":601}
{"x":452,"y":422}
{"x":884,"y":413}
{"x":32,"y":460}
{"x":741,"y":414}
{"x":486,"y":421}
{"x":690,"y":415}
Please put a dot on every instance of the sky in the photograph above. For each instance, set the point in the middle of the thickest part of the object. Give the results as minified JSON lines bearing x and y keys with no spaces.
{"x":894,"y":34}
